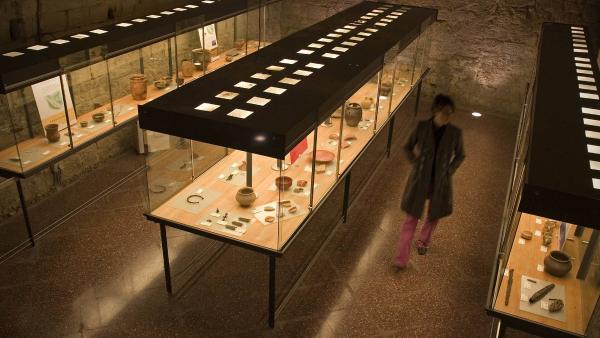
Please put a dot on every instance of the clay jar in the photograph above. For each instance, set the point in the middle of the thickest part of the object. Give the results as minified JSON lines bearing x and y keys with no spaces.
{"x":139,"y":86}
{"x":245,"y":196}
{"x":367,"y":103}
{"x":187,"y":68}
{"x":52,"y":133}
{"x":283,"y":183}
{"x":557,"y":263}
{"x":201,"y":58}
{"x":353,"y":114}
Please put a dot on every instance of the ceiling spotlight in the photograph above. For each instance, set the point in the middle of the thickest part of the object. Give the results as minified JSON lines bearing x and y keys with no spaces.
{"x":476,"y":114}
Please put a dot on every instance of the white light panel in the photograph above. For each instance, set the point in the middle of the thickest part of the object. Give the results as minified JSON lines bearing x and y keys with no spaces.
{"x":333,"y":35}
{"x":591,"y":111}
{"x":592,"y":149}
{"x":275,"y":90}
{"x":289,"y":80}
{"x":591,"y":122}
{"x":80,"y":36}
{"x":587,"y":87}
{"x":340,"y":49}
{"x":167,"y":12}
{"x":240,"y":113}
{"x":594,"y":165}
{"x":98,"y":31}
{"x":191,"y":6}
{"x":377,"y":11}
{"x":583,"y":65}
{"x":576,"y":28}
{"x":382,"y":24}
{"x":316,"y":45}
{"x":583,"y":71}
{"x":245,"y":85}
{"x":586,"y":79}
{"x":315,"y":65}
{"x":371,"y":14}
{"x":588,"y":96}
{"x":596,"y":183}
{"x":305,"y":51}
{"x":349,"y":43}
{"x":208,"y":1}
{"x":331,"y":55}
{"x":392,"y":16}
{"x":580,"y":41}
{"x":341,"y":30}
{"x":357,"y":38}
{"x":275,"y":68}
{"x":258,"y":101}
{"x":592,"y":134}
{"x":580,"y":50}
{"x":59,"y":41}
{"x":365,"y":17}
{"x":288,"y":61}
{"x":209,"y":107}
{"x":12,"y":54}
{"x":349,"y":27}
{"x":580,"y":45}
{"x":372,"y":30}
{"x":577,"y":58}
{"x":124,"y":24}
{"x":260,"y":76}
{"x":139,"y":20}
{"x":153,"y":16}
{"x":179,"y":9}
{"x":386,"y":20}
{"x":398,"y":13}
{"x":325,"y":40}
{"x":37,"y":47}
{"x":364,"y":34}
{"x":303,"y":72}
{"x":227,"y":95}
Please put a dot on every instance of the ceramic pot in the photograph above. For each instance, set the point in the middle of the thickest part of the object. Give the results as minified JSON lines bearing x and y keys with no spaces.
{"x":283,"y":183}
{"x":367,"y":102}
{"x":139,"y":86}
{"x":201,"y":58}
{"x":557,"y":263}
{"x":240,"y":45}
{"x":353,"y":114}
{"x":245,"y":196}
{"x":52,"y":133}
{"x":160,"y":84}
{"x":187,"y":68}
{"x":98,"y":117}
{"x":168,"y":79}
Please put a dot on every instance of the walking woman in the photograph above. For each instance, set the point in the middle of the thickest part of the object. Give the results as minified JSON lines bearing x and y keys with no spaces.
{"x":435,"y":149}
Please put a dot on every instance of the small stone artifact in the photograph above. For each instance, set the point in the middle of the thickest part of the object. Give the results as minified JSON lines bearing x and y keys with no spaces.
{"x":511,"y":272}
{"x":237,"y":224}
{"x":83,"y":124}
{"x":52,"y":133}
{"x":526,"y":234}
{"x":367,"y":102}
{"x":283,"y":182}
{"x":269,"y":219}
{"x":346,"y":144}
{"x":353,"y":114}
{"x":298,"y":190}
{"x":245,"y":196}
{"x":334,"y":136}
{"x":98,"y":117}
{"x":541,"y":293}
{"x":557,"y":263}
{"x":243,"y":166}
{"x":301,"y":183}
{"x":201,"y":58}
{"x":292,"y":210}
{"x":269,"y":208}
{"x":286,"y":203}
{"x":555,"y":305}
{"x":187,"y":68}
{"x":350,"y":137}
{"x":243,"y":219}
{"x":139,"y":86}
{"x":231,"y":227}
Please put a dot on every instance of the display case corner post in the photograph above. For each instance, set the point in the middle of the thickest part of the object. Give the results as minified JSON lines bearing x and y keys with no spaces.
{"x":272,"y":299}
{"x":390,"y":136}
{"x":25,"y":211}
{"x":165,"y":251}
{"x":346,"y":198}
{"x":586,"y":261}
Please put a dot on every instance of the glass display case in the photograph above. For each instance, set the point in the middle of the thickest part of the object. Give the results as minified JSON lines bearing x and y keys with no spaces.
{"x":546,"y":279}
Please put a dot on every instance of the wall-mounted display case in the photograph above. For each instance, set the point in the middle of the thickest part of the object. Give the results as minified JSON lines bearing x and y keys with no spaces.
{"x":250,"y":151}
{"x":546,"y":278}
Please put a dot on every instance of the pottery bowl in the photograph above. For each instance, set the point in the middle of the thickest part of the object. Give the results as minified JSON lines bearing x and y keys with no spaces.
{"x":160,"y":84}
{"x":283,"y":182}
{"x":98,"y":117}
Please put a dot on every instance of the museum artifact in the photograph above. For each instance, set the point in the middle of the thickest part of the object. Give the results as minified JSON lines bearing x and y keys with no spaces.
{"x":237,"y":224}
{"x":386,"y":88}
{"x":350,"y":137}
{"x":353,"y":114}
{"x":269,"y":208}
{"x":283,"y":182}
{"x":240,"y":44}
{"x":52,"y":133}
{"x":245,"y":196}
{"x":83,"y":124}
{"x":187,"y":68}
{"x":541,"y":293}
{"x":346,"y":144}
{"x":158,"y":188}
{"x":334,"y":136}
{"x":98,"y":117}
{"x":194,"y":198}
{"x":160,"y":84}
{"x":292,"y":210}
{"x":244,"y":219}
{"x":231,"y":227}
{"x":243,"y":166}
{"x":321,"y":168}
{"x":201,"y":58}
{"x":269,"y":219}
{"x":323,"y":156}
{"x":286,"y":203}
{"x":139,"y":86}
{"x":301,"y":183}
{"x":511,"y":272}
{"x":557,"y":263}
{"x":555,"y":305}
{"x":367,"y":102}
{"x":526,"y":234}
{"x":298,"y":190}
{"x":168,"y":79}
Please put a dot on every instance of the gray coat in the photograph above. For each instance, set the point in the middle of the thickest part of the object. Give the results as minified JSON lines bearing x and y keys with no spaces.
{"x":450,"y":155}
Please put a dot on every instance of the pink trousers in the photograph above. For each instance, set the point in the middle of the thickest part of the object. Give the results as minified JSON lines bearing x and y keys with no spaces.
{"x":406,"y":235}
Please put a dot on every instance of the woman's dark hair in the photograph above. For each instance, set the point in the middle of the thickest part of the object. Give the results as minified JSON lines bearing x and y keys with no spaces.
{"x":440,"y":101}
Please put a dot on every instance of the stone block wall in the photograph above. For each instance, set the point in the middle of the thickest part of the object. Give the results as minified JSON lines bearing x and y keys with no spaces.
{"x":483,"y":51}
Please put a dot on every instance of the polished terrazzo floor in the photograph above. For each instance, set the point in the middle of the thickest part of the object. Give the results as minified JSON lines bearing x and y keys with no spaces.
{"x":100,"y":274}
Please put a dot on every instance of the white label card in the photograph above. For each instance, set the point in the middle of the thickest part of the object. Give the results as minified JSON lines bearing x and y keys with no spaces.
{"x":543,"y":248}
{"x":521,"y":241}
{"x":540,"y":268}
{"x":538,"y":221}
{"x":538,"y":233}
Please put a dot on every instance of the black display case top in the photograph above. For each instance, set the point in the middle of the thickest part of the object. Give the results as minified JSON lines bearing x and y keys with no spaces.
{"x":20,"y":67}
{"x":269,"y":101}
{"x":563,"y":169}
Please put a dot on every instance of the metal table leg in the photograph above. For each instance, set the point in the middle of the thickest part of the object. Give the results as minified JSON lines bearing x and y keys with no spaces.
{"x":165,"y":250}
{"x":25,"y":211}
{"x":272,"y":265}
